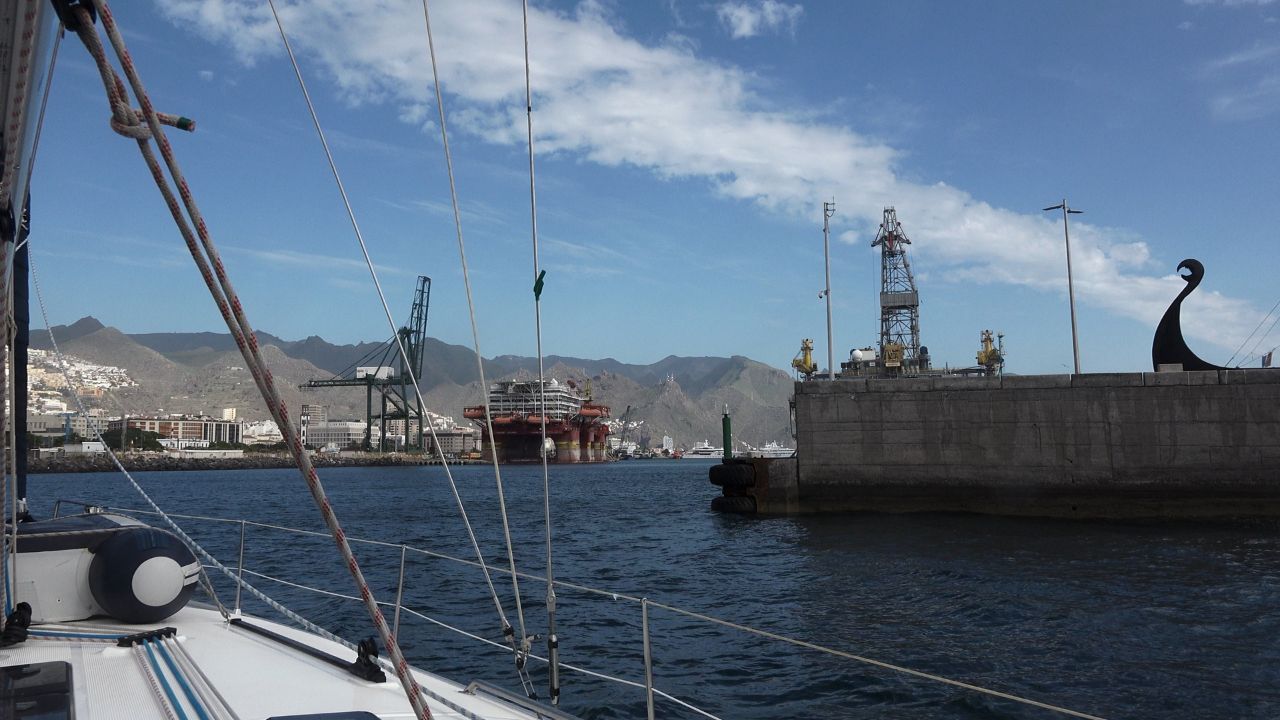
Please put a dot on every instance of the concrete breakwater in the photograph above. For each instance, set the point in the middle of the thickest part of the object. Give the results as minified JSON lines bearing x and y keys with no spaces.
{"x":1173,"y":444}
{"x":75,"y":463}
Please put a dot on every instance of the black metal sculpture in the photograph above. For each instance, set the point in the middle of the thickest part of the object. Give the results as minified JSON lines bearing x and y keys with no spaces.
{"x":1169,"y":348}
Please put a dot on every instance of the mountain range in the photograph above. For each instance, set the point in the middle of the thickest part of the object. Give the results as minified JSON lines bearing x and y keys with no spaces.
{"x":203,"y":373}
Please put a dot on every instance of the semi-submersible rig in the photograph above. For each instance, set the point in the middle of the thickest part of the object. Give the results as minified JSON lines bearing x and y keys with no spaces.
{"x":899,"y":351}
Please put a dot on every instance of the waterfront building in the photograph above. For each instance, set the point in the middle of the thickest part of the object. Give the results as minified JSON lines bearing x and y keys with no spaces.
{"x":182,"y":427}
{"x":457,"y":441}
{"x":340,"y":433}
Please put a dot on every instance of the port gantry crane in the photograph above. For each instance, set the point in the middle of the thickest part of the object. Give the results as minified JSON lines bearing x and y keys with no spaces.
{"x":387,"y":372}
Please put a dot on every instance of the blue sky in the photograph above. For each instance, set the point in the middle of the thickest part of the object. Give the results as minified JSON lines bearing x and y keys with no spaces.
{"x":684,"y":153}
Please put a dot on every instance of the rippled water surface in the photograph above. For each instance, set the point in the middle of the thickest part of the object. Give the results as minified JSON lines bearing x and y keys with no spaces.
{"x":1120,"y":620}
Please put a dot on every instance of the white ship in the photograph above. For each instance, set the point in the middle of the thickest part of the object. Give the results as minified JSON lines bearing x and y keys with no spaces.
{"x":704,"y":449}
{"x":771,"y":450}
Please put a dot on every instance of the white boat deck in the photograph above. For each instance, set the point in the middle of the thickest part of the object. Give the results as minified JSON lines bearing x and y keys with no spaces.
{"x":109,"y":683}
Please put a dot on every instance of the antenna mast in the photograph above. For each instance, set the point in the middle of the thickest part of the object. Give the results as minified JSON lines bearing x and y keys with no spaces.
{"x":828,"y":209}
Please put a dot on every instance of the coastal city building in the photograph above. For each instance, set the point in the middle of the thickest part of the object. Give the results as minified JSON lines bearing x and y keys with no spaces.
{"x":261,"y":432}
{"x":340,"y":434}
{"x":64,"y":424}
{"x":183,"y":427}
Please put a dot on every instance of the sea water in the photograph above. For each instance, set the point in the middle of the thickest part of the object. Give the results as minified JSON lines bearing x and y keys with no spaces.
{"x":1115,"y":619}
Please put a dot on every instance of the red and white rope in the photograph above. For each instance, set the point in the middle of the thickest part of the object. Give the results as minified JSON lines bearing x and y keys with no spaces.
{"x":20,"y":84}
{"x":213,"y":272}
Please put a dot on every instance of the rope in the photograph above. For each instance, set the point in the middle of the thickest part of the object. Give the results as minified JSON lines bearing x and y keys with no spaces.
{"x":269,"y":601}
{"x":1253,"y":351}
{"x":6,"y":354}
{"x":615,"y":596}
{"x":232,"y":311}
{"x":475,"y":336}
{"x":395,"y":336}
{"x":876,"y":663}
{"x":1256,"y":328}
{"x":168,"y":519}
{"x":164,"y":683}
{"x":151,"y":680}
{"x":20,"y":74}
{"x":553,"y":639}
{"x":181,"y":679}
{"x":193,"y":669}
{"x":10,"y":548}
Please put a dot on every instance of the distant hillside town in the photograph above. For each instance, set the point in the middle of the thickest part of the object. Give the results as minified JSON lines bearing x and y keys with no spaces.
{"x":669,"y":405}
{"x":68,"y":409}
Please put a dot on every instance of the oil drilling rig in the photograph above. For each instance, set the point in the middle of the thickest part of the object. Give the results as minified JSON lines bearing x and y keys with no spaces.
{"x":390,"y":374}
{"x":900,"y":348}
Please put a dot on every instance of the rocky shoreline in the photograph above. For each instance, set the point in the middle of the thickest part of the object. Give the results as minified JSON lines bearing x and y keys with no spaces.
{"x":157,"y":461}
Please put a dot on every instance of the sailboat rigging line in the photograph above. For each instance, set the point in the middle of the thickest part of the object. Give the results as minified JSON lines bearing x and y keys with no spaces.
{"x":228,"y":302}
{"x":20,"y":84}
{"x":876,"y":663}
{"x":553,"y":639}
{"x":395,"y":337}
{"x":1255,"y":330}
{"x":475,"y":336}
{"x":20,"y":240}
{"x":63,"y":366}
{"x":1253,"y":351}
{"x":10,"y":480}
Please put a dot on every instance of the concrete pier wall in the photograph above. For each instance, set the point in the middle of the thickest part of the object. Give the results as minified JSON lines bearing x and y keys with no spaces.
{"x":1191,"y":444}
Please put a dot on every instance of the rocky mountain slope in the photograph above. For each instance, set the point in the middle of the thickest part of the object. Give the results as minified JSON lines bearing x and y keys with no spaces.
{"x":203,"y":372}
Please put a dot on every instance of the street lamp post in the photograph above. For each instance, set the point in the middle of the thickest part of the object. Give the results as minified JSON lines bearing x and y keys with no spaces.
{"x":1071,"y":293}
{"x":828,"y":209}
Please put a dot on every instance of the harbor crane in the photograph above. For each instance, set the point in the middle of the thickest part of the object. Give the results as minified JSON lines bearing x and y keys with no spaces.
{"x":803,"y":361}
{"x":389,"y":373}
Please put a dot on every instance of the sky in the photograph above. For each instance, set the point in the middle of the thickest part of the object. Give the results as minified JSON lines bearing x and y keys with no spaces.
{"x":683,"y":153}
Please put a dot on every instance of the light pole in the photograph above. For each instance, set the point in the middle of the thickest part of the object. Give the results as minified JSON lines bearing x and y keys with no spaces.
{"x":1071,"y":292}
{"x":828,"y":209}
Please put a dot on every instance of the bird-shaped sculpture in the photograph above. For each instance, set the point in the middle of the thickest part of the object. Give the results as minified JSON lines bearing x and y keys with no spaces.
{"x":1168,"y":347}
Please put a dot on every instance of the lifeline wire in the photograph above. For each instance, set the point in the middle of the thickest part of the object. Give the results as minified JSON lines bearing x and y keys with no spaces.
{"x":127,"y":122}
{"x":333,"y":167}
{"x":1253,"y":351}
{"x":1255,"y":332}
{"x":475,"y":335}
{"x":553,"y":640}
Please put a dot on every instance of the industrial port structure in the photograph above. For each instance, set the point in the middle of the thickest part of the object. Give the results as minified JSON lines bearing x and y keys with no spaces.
{"x":390,"y":370}
{"x":900,"y":348}
{"x":576,"y":429}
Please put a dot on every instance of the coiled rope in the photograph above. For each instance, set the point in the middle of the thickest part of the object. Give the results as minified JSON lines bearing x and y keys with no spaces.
{"x":518,"y":648}
{"x":210,"y":265}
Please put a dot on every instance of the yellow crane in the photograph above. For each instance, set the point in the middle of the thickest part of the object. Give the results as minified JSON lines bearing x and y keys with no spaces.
{"x":991,"y":356}
{"x":803,"y":361}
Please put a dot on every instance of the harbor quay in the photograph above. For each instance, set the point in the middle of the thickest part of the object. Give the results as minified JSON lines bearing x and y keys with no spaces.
{"x":142,"y":461}
{"x":1114,"y":445}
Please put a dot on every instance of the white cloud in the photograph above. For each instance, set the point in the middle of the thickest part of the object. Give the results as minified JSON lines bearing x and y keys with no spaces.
{"x":312,"y":261}
{"x":613,"y":100}
{"x":205,"y":75}
{"x":1186,"y":25}
{"x":745,"y":19}
{"x":1245,"y":84}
